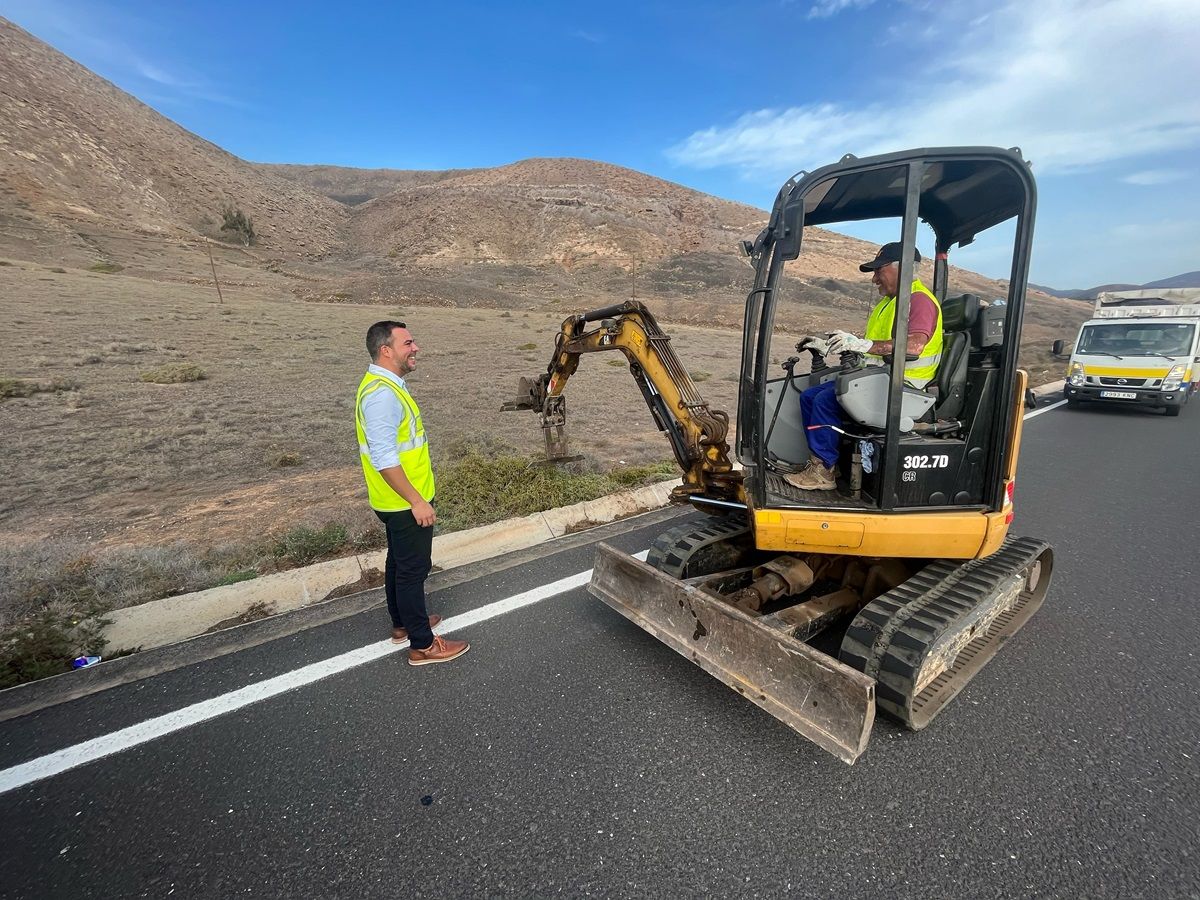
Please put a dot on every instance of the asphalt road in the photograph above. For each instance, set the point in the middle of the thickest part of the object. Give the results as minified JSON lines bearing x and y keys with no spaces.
{"x":570,"y":753}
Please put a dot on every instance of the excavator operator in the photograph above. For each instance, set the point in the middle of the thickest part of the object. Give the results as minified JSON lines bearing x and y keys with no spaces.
{"x":819,"y":405}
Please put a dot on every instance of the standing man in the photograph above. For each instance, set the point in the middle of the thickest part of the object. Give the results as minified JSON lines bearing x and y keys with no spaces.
{"x":819,"y":405}
{"x":395,"y":459}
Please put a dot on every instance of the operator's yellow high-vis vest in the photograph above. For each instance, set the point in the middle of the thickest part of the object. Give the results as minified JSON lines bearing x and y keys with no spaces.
{"x":410,"y":439}
{"x":879,"y":328}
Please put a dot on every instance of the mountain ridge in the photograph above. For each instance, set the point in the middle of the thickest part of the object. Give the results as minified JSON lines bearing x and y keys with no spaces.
{"x":85,"y":168}
{"x":1184,"y":279}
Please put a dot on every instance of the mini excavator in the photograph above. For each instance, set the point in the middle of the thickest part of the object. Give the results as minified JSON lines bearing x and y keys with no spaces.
{"x":896,"y":587}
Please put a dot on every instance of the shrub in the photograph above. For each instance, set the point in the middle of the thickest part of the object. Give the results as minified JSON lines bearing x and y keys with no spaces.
{"x":174,"y":373}
{"x":283,"y":459}
{"x":106,"y":268}
{"x":636,"y":476}
{"x":238,"y":224}
{"x":303,"y":545}
{"x":485,"y":483}
{"x":528,"y":347}
{"x":44,"y":645}
{"x":20,"y":387}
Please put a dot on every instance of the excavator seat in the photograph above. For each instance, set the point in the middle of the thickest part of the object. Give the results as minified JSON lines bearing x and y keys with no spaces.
{"x":959,"y":315}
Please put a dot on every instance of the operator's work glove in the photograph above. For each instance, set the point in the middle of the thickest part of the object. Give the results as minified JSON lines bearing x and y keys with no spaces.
{"x":845,"y":342}
{"x":814,"y":343}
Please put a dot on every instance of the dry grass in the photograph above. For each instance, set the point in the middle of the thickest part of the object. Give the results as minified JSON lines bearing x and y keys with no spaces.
{"x":483,"y":484}
{"x":21,"y":387}
{"x":173,"y":373}
{"x":202,"y":464}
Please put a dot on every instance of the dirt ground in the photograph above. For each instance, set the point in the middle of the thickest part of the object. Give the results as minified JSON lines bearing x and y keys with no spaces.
{"x":122,"y":461}
{"x":265,"y":441}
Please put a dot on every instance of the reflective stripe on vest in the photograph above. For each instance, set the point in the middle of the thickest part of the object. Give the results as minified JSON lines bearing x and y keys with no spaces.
{"x":880,"y":326}
{"x":411,"y":443}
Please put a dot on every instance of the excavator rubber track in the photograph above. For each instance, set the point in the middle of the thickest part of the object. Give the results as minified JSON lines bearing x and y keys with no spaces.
{"x":685,"y":549}
{"x":925,"y":639}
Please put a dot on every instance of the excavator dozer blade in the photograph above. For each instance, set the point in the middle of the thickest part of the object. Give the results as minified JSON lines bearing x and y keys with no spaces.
{"x":825,"y":700}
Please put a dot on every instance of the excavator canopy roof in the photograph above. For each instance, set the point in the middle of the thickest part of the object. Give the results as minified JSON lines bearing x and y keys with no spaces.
{"x":964,"y":190}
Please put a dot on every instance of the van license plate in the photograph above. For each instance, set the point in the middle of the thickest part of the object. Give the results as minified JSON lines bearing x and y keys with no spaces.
{"x":1119,"y":395}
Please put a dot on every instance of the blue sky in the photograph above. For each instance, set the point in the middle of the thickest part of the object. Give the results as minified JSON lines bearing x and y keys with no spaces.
{"x":726,"y":98}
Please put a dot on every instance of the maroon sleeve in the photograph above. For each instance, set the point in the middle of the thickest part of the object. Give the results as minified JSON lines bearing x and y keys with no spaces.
{"x":922,"y":314}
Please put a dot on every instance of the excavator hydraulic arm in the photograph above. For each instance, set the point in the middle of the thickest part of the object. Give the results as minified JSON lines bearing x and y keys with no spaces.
{"x":697,"y":433}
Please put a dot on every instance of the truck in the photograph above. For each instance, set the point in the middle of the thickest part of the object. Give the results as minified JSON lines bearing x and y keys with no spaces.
{"x":1140,"y":348}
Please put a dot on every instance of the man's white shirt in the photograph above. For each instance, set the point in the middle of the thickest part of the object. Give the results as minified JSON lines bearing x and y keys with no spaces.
{"x":382,"y":413}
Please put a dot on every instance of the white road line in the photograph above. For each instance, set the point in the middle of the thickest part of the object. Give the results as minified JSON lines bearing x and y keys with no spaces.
{"x":70,"y":757}
{"x":106,"y":745}
{"x":1046,"y":409}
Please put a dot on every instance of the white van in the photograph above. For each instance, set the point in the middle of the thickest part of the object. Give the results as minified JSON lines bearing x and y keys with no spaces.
{"x":1140,"y":348}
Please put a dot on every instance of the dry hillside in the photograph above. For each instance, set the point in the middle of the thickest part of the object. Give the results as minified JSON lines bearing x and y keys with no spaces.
{"x":78,"y":155}
{"x":354,"y":186}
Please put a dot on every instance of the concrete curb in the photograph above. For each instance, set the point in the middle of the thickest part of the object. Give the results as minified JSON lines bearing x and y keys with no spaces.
{"x":184,"y":616}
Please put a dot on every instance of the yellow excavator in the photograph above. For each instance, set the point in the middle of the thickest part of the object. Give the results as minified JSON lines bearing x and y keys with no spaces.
{"x":897,"y":586}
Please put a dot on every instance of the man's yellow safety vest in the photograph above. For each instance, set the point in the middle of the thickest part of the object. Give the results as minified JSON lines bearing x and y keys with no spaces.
{"x":919,"y":371}
{"x":410,"y":440}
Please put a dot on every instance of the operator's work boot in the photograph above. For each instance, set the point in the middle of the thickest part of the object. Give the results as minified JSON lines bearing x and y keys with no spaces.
{"x":441,"y":650}
{"x":400,"y":635}
{"x":816,"y":476}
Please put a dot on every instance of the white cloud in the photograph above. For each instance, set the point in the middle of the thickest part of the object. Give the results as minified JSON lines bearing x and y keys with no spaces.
{"x":1156,"y":176}
{"x":1159,"y":230}
{"x":823,"y":9}
{"x":158,"y":76}
{"x":592,"y":37}
{"x":1074,"y":83}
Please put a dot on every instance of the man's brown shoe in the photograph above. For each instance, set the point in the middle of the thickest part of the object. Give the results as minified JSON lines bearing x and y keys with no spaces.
{"x":400,"y":635}
{"x":816,"y":476}
{"x":441,"y":650}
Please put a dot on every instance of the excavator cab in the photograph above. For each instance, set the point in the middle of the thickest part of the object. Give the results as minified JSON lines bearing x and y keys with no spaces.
{"x":908,"y":455}
{"x":895,"y":588}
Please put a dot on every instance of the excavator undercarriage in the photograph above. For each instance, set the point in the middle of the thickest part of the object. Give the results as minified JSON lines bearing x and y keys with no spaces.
{"x":821,"y":641}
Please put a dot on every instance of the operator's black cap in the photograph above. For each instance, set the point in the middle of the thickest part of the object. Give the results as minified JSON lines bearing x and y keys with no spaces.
{"x":888,"y":253}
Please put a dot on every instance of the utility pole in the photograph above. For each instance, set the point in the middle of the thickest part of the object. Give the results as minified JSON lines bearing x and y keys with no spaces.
{"x":208,"y":246}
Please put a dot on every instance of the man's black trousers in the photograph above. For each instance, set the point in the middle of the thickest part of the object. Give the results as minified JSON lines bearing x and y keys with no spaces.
{"x":409,"y":559}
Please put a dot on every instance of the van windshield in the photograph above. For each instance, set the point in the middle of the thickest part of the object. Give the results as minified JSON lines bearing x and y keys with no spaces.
{"x":1137,"y":339}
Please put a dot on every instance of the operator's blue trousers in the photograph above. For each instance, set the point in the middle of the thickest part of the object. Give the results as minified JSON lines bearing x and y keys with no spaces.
{"x":819,"y":406}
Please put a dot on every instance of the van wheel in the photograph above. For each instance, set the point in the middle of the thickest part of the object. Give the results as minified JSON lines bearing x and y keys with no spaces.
{"x":1074,"y":403}
{"x":1171,"y":410}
